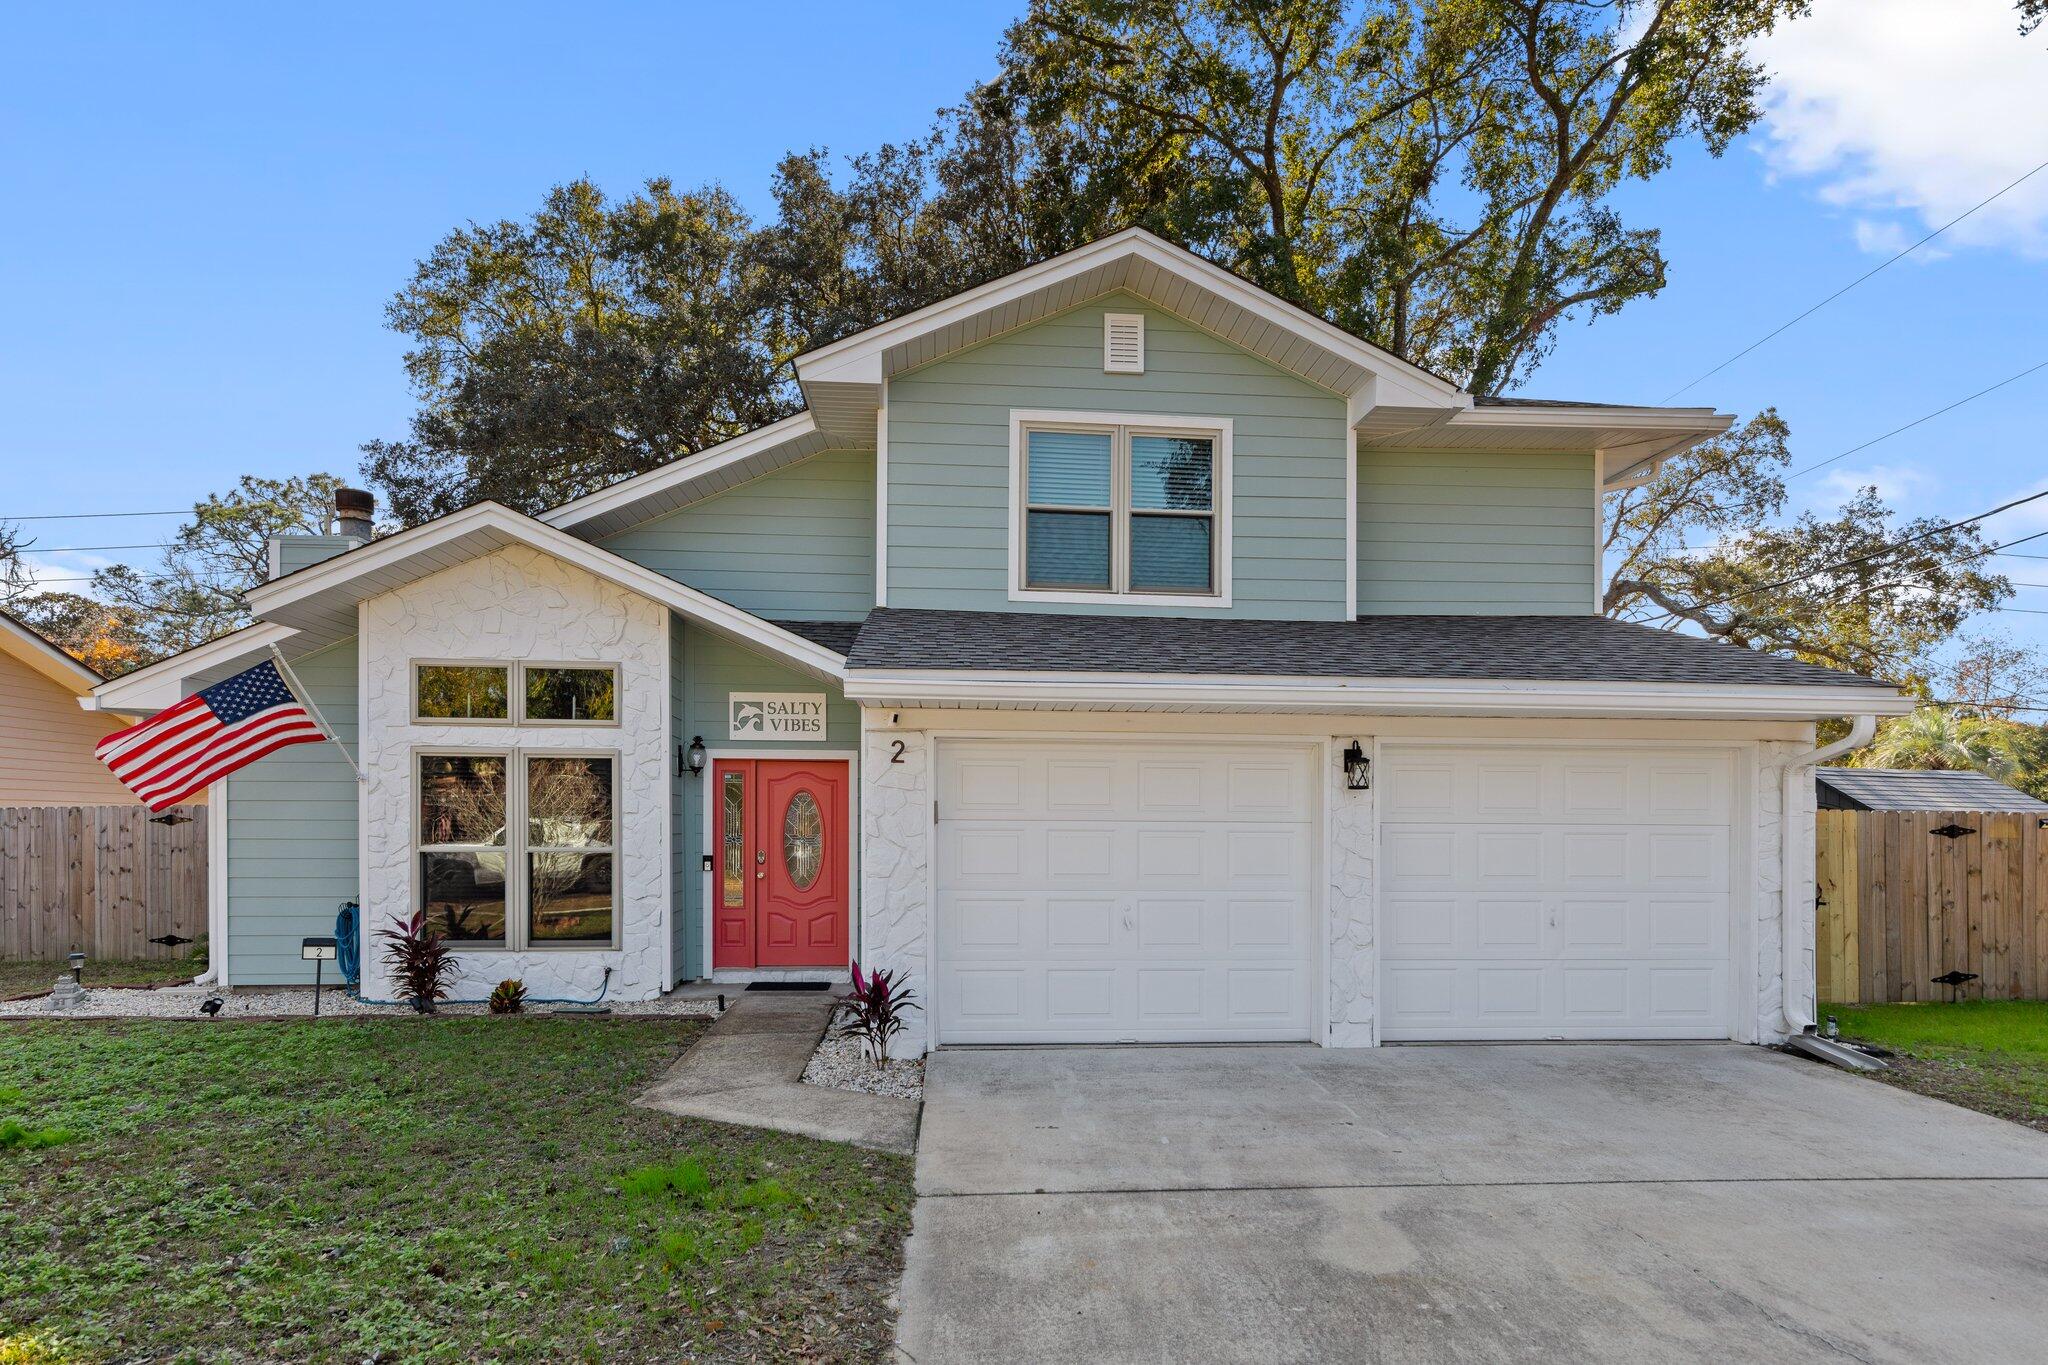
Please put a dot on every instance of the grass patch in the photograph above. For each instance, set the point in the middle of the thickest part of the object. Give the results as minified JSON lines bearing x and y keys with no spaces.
{"x":20,"y":976}
{"x":441,"y":1189}
{"x":1988,"y":1055}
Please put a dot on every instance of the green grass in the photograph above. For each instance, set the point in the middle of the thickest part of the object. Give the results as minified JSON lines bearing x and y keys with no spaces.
{"x":445,"y":1189}
{"x":1990,"y":1055}
{"x":23,"y":977}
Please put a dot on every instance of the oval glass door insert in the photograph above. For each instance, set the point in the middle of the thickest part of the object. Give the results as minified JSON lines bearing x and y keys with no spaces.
{"x":803,"y":840}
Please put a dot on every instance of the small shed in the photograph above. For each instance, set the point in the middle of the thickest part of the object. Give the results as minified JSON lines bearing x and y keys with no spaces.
{"x":1909,"y":789}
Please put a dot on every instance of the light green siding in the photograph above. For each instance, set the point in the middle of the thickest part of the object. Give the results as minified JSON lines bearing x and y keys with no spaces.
{"x":292,"y":836}
{"x":1492,"y":533}
{"x":949,"y":461}
{"x":712,"y":667}
{"x":299,"y":552}
{"x":798,"y":544}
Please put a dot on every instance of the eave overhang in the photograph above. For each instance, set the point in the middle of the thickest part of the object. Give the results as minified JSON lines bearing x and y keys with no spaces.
{"x":946,"y":689}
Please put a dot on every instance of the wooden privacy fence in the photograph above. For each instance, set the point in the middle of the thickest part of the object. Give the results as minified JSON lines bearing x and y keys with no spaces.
{"x":101,"y":880}
{"x":1899,"y":904}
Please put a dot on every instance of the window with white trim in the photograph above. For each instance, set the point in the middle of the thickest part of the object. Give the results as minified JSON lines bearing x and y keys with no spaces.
{"x":527,"y":693}
{"x":518,"y":848}
{"x":1124,"y":509}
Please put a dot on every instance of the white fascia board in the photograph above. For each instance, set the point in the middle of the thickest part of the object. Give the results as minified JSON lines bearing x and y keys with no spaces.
{"x":681,"y":472}
{"x":276,"y":601}
{"x":858,"y":359}
{"x":46,"y":657}
{"x":163,"y":683}
{"x":1392,"y":696}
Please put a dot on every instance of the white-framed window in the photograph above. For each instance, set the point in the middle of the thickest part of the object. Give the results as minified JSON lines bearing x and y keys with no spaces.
{"x":518,"y":848}
{"x":1119,"y":507}
{"x":488,"y":692}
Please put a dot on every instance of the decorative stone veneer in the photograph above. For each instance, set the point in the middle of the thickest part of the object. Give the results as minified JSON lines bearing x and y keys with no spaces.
{"x":895,"y":866}
{"x":1353,"y":957}
{"x":519,"y":604}
{"x":1772,"y":827}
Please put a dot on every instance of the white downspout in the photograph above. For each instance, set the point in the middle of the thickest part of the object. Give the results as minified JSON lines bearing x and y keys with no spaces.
{"x":1792,"y":877}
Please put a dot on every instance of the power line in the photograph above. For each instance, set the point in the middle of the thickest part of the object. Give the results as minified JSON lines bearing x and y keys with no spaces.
{"x":81,"y":549}
{"x":1853,"y":283}
{"x":1892,"y":548}
{"x":79,"y":516}
{"x":1918,"y":420}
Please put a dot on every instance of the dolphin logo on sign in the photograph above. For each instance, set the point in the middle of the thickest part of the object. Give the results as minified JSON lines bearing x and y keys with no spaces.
{"x":776,"y":715}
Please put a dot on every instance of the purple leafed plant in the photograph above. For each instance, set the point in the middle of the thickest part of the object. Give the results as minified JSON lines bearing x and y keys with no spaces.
{"x":420,"y":962}
{"x":874,"y":1011}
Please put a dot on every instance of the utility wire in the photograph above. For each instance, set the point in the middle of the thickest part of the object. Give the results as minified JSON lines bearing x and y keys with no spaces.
{"x":1874,"y":270}
{"x":79,"y":516}
{"x":1879,"y":553}
{"x":81,"y":549}
{"x":1817,"y":464}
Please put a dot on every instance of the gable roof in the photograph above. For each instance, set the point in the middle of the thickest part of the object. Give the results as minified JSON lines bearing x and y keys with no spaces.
{"x":1918,"y":789}
{"x":21,"y":642}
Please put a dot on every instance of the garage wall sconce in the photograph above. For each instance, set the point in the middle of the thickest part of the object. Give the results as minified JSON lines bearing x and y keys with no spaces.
{"x":690,"y":760}
{"x":1357,"y":769}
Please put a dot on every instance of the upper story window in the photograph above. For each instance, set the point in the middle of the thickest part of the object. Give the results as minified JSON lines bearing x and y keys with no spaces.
{"x":1131,"y":509}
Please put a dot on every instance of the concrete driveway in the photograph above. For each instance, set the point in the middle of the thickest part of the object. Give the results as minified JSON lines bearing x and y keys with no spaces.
{"x":1544,"y":1203}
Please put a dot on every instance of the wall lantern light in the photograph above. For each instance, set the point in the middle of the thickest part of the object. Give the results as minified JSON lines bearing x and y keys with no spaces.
{"x":1357,"y":768}
{"x":692,"y":758}
{"x":319,"y":951}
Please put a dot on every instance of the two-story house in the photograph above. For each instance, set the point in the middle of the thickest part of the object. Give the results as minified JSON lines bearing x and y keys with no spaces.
{"x":1119,"y":651}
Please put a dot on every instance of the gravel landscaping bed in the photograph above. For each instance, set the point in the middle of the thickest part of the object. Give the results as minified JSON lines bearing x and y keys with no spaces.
{"x":838,"y":1063}
{"x":177,"y":1002}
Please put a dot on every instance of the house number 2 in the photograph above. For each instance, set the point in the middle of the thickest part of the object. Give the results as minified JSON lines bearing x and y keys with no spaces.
{"x":896,"y":756}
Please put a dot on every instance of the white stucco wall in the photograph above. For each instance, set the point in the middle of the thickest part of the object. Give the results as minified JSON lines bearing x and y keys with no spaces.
{"x":895,"y":865}
{"x":518,"y":604}
{"x":1354,"y":934}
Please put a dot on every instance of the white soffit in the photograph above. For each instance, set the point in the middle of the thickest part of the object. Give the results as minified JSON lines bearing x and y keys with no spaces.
{"x":1631,"y":442}
{"x":677,"y":484}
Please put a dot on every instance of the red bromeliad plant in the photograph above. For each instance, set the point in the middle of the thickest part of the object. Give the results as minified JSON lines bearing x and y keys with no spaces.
{"x":420,"y":962}
{"x":875,"y":1008}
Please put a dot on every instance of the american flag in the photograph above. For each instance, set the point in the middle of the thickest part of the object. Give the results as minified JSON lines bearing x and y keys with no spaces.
{"x":207,"y":736}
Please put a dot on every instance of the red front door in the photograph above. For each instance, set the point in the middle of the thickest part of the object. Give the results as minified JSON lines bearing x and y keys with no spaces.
{"x":780,"y":873}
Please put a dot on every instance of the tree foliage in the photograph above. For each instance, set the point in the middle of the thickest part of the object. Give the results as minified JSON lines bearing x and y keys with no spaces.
{"x":136,"y":616}
{"x":1431,"y":174}
{"x":1863,"y":590}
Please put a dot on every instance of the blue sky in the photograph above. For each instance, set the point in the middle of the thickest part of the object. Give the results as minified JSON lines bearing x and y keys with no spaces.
{"x":208,"y":212}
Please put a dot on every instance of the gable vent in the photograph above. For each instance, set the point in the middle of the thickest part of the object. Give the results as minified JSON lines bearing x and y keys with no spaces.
{"x":1123,"y":343}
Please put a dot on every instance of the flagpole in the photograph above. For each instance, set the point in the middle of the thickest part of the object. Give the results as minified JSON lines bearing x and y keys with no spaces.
{"x":291,"y":680}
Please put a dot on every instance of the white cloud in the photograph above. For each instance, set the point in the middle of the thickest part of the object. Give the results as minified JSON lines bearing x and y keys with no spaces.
{"x":1884,"y":237}
{"x":1894,"y":482}
{"x":1906,"y":112}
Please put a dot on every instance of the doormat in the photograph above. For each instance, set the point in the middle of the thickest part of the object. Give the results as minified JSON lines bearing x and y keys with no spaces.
{"x":789,"y":985}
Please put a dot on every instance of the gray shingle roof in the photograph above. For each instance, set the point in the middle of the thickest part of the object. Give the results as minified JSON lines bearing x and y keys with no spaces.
{"x":836,"y":636}
{"x":1912,"y":789}
{"x":1532,"y":648}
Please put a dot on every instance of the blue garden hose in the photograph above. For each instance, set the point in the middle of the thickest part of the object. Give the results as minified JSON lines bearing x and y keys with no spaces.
{"x":348,"y":957}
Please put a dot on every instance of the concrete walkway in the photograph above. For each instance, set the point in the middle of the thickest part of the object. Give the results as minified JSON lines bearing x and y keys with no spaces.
{"x":748,"y":1069}
{"x":1610,"y":1203}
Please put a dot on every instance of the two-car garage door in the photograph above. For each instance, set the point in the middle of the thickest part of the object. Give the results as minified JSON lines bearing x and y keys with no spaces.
{"x":1135,"y":892}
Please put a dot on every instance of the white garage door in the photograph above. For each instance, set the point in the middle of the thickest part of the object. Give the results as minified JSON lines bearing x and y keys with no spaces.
{"x":1554,"y":893}
{"x":1120,"y":892}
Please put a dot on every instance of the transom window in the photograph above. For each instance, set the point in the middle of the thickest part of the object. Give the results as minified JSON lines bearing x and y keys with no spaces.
{"x":516,"y":693}
{"x":518,"y":849}
{"x":1134,"y":509}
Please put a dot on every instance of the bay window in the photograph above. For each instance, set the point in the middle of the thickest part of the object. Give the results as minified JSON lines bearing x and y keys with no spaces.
{"x":1131,"y":509}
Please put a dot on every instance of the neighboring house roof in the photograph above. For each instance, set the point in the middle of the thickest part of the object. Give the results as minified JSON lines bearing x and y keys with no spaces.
{"x":25,"y":644}
{"x":1465,"y":665}
{"x":1916,"y":789}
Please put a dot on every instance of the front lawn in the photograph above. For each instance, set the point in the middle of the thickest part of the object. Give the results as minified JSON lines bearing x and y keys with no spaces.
{"x":445,"y":1189}
{"x":20,"y":977}
{"x":1989,"y":1055}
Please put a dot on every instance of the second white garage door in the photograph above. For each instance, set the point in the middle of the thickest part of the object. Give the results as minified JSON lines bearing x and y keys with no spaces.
{"x":1554,"y":893}
{"x":1121,"y":892}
